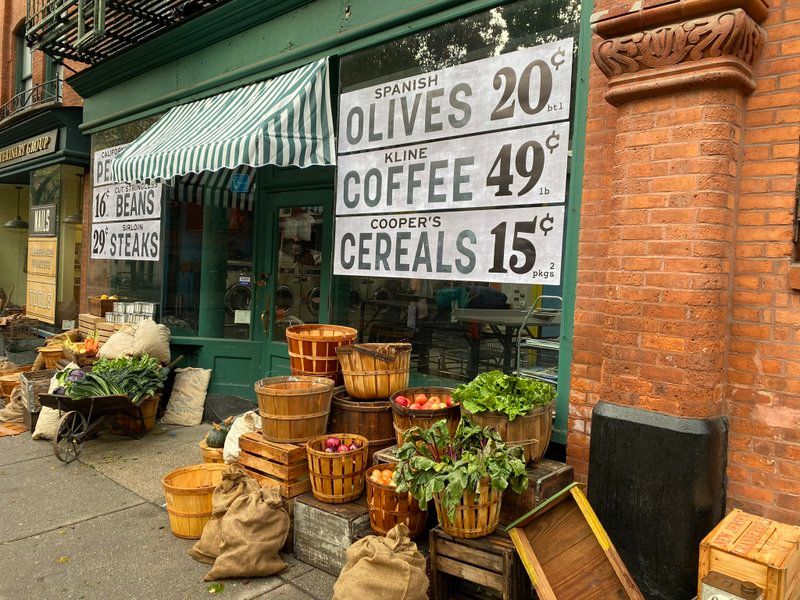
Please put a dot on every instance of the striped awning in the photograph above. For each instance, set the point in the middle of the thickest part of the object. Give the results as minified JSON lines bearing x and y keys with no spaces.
{"x":285,"y":121}
{"x":226,"y":188}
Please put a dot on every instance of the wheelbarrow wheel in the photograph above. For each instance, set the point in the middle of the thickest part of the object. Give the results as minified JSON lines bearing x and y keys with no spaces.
{"x":70,"y":436}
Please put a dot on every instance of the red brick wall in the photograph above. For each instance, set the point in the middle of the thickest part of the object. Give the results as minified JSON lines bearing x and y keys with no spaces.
{"x":12,"y":16}
{"x":683,"y":303}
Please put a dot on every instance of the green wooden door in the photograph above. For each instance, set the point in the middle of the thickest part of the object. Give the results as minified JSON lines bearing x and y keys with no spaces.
{"x":293,"y":285}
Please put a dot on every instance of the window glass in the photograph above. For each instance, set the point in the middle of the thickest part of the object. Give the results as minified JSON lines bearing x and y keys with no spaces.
{"x":451,"y":324}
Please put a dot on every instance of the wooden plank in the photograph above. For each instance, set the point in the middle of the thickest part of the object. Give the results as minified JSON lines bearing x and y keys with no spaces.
{"x":470,"y":573}
{"x":282,"y":453}
{"x":583,"y":571}
{"x":556,"y":530}
{"x":287,"y":472}
{"x":288,"y":490}
{"x":465,"y":554}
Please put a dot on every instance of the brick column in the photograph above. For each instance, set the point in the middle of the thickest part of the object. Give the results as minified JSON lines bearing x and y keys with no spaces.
{"x":678,"y":74}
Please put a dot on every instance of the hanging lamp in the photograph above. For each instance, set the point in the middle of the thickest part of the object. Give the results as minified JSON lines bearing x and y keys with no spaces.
{"x":17,"y":222}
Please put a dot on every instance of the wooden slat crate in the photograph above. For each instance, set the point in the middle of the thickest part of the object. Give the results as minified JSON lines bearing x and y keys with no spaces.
{"x":387,"y":455}
{"x":545,"y":479}
{"x":324,"y":532}
{"x":87,"y":324}
{"x":757,"y":550}
{"x":489,"y":562}
{"x":568,"y":554}
{"x":105,"y":330}
{"x":271,"y":463}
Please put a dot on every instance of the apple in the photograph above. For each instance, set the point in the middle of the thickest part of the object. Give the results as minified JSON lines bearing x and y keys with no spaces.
{"x":333,"y":442}
{"x":448,"y":401}
{"x":434,"y":399}
{"x":420,"y":398}
{"x":402,"y":401}
{"x":343,"y":448}
{"x":415,"y":406}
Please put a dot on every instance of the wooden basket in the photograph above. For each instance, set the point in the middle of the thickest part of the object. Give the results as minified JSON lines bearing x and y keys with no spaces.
{"x":531,"y":431}
{"x":210,"y":455}
{"x":293,"y":409}
{"x":388,"y":507}
{"x":337,"y":478}
{"x":374,"y":370}
{"x":80,"y":358}
{"x":405,"y":418}
{"x":51,"y":355}
{"x":132,"y":425}
{"x":372,"y":419}
{"x":476,"y":516}
{"x":188,"y":492}
{"x":8,"y":381}
{"x":312,"y":349}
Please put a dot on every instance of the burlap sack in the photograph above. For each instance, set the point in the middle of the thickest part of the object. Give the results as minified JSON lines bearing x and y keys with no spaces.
{"x":118,"y":344}
{"x":47,"y":425}
{"x":389,"y":568}
{"x":15,"y":409}
{"x":253,"y":530}
{"x":246,"y":423}
{"x":153,"y":339}
{"x":235,"y":482}
{"x":188,"y":397}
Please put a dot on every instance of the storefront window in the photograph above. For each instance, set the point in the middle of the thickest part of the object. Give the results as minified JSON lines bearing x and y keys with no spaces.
{"x":459,"y":328}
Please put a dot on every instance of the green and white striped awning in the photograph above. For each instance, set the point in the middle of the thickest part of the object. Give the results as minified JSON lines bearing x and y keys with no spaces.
{"x":226,"y":188}
{"x":285,"y":121}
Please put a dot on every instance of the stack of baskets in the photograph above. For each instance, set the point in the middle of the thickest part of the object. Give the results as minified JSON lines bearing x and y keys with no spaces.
{"x":312,"y":349}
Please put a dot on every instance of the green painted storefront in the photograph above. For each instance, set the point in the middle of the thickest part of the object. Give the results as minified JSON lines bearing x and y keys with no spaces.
{"x":243,"y":41}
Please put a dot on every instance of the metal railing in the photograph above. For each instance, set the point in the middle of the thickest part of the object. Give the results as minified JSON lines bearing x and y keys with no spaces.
{"x":48,"y":92}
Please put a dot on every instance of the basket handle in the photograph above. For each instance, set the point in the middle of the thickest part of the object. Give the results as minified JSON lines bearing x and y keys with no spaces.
{"x":372,"y":353}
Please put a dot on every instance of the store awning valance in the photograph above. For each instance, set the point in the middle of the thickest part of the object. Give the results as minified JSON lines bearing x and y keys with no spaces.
{"x":285,"y":121}
{"x":226,"y":188}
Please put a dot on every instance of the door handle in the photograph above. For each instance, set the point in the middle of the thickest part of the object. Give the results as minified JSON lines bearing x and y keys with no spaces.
{"x":265,"y":320}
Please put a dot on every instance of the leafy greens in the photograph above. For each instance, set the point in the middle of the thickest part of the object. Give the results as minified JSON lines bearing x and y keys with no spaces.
{"x":432,"y":462}
{"x":136,"y":377}
{"x":497,"y":392}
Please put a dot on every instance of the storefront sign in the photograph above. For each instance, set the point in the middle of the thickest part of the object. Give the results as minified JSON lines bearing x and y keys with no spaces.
{"x":125,"y":202}
{"x":525,"y":166}
{"x":42,"y":254}
{"x":126,"y":218}
{"x":515,"y":246}
{"x":41,"y":301}
{"x":30,"y":148}
{"x":43,"y":220}
{"x":528,"y":86}
{"x":132,"y":240}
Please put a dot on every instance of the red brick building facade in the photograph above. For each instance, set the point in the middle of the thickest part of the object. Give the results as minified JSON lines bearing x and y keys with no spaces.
{"x":688,"y":300}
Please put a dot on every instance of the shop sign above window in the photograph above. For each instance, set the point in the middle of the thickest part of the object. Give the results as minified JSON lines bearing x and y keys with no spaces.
{"x":463,"y":142}
{"x":43,"y":221}
{"x":28,"y":149}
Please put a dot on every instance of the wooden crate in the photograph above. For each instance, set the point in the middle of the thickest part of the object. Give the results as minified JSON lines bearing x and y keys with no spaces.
{"x":489,"y":562}
{"x":87,"y":324}
{"x":545,"y":479}
{"x":323,"y":532}
{"x":387,"y":455}
{"x":757,"y":550}
{"x":568,"y":554}
{"x":105,"y":330}
{"x":272,"y":463}
{"x":99,"y":307}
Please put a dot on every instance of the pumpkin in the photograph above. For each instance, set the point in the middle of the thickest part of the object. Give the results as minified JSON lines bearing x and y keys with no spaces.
{"x":216,"y":437}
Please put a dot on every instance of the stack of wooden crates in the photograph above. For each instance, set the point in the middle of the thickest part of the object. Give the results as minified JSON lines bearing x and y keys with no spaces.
{"x":89,"y":324}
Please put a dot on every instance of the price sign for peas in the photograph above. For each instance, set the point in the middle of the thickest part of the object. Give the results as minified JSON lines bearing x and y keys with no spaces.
{"x":426,"y":163}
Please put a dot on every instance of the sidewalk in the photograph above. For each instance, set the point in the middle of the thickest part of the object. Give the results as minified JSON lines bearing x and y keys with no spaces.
{"x":97,"y":529}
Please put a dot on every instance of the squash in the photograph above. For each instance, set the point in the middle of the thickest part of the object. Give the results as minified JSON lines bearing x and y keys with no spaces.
{"x":216,"y":437}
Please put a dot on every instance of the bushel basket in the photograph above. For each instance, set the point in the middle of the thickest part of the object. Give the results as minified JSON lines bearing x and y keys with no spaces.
{"x":371,"y":418}
{"x":388,"y":507}
{"x":188,"y":491}
{"x":531,"y":431}
{"x":336,"y":477}
{"x":374,"y":370}
{"x":476,"y":516}
{"x":312,"y":349}
{"x":293,"y":409}
{"x":405,"y":418}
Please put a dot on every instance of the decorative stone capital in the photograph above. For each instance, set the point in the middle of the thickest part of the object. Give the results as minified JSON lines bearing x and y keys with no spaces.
{"x":713,"y":50}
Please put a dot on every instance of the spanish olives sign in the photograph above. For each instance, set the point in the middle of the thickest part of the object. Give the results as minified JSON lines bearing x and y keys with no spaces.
{"x":458,"y":174}
{"x":126,"y":217}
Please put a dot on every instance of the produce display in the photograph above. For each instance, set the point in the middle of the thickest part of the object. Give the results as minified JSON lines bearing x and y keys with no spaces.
{"x":89,"y":347}
{"x":334,"y":444}
{"x":425,"y":402}
{"x":432,"y":462}
{"x":383,"y":477}
{"x":136,"y":377}
{"x":497,"y":392}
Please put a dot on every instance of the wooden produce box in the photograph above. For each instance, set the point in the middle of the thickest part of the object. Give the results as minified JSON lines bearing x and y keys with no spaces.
{"x":87,"y":324}
{"x":489,"y":562}
{"x":757,"y":550}
{"x":99,"y":307}
{"x":271,"y":463}
{"x":32,"y":385}
{"x":324,"y":532}
{"x":105,"y":330}
{"x":568,"y":554}
{"x":385,"y":456}
{"x":545,"y":479}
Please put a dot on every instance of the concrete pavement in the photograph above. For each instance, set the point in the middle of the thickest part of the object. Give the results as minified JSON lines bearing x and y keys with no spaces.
{"x":97,"y":529}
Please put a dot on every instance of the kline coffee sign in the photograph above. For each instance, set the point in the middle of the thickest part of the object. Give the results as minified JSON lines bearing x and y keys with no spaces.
{"x":28,"y":149}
